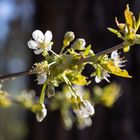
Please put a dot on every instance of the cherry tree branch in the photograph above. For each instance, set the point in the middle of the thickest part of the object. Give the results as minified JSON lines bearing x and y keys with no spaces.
{"x":107,"y":51}
{"x":88,"y":59}
{"x":14,"y":75}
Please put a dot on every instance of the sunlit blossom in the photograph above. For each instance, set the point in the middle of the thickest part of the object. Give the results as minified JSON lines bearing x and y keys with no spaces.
{"x":41,"y":70}
{"x":117,"y":60}
{"x":42,"y":42}
{"x":41,"y":114}
{"x":85,"y":109}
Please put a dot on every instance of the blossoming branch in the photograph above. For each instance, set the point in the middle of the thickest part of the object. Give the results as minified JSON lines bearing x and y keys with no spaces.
{"x":66,"y":68}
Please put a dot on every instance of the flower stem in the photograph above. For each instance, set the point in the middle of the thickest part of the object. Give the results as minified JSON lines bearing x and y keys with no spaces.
{"x":14,"y":75}
{"x":107,"y":51}
{"x":54,"y":53}
{"x":42,"y":95}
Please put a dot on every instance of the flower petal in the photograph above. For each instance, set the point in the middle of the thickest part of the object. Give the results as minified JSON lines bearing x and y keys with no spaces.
{"x":79,"y":113}
{"x":87,"y":109}
{"x":32,"y":44}
{"x":41,"y":79}
{"x":38,"y":36}
{"x":41,"y":114}
{"x":82,"y":42}
{"x":105,"y":75}
{"x":106,"y":79}
{"x":38,"y":51}
{"x":114,"y":54}
{"x":97,"y":79}
{"x":48,"y":36}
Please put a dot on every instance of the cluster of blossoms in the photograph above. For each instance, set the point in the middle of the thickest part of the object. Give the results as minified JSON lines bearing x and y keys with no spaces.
{"x":118,"y":62}
{"x":64,"y":68}
{"x":82,"y":107}
{"x":41,"y":45}
{"x":83,"y":104}
{"x":67,"y":66}
{"x":75,"y":103}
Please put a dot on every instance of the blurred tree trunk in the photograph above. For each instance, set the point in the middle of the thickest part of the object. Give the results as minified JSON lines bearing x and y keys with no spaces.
{"x":89,"y":19}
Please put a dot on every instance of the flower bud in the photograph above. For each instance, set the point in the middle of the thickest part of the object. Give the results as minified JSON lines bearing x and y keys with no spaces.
{"x":74,"y":104}
{"x":41,"y":112}
{"x":73,"y":99}
{"x":50,"y":91}
{"x":86,"y":109}
{"x":69,"y":36}
{"x":79,"y":44}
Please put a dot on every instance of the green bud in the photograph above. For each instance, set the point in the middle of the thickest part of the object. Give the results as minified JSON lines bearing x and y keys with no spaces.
{"x":40,"y":111}
{"x":79,"y":99}
{"x":79,"y":44}
{"x":73,"y":99}
{"x":69,"y":36}
{"x":126,"y":49}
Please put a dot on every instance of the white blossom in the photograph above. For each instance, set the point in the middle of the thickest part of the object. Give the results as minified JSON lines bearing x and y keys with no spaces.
{"x":117,"y":60}
{"x":41,"y":69}
{"x":41,"y":114}
{"x":85,"y":109}
{"x":42,"y":42}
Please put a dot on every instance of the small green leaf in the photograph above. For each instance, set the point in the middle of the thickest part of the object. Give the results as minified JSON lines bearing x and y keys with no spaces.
{"x":93,"y":74}
{"x":115,"y":32}
{"x":98,"y":71}
{"x":87,"y":50}
{"x":79,"y":80}
{"x":129,"y":17}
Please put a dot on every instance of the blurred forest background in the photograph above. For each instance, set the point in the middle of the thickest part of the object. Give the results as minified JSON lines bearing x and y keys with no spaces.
{"x":89,"y":19}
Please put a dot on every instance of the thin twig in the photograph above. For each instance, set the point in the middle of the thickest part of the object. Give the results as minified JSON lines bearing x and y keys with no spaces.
{"x":107,"y":51}
{"x":88,"y":59}
{"x":14,"y":75}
